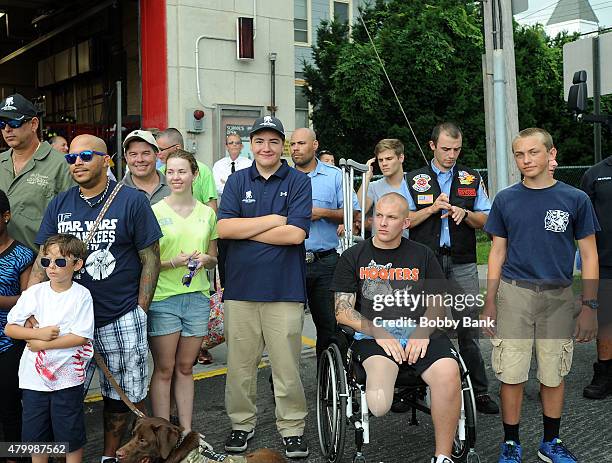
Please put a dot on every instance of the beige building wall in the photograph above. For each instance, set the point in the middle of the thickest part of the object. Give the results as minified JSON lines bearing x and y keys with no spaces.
{"x":224,"y":80}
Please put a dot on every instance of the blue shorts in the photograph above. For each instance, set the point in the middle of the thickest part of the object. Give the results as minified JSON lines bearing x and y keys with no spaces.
{"x":187,"y":313}
{"x":55,"y":416}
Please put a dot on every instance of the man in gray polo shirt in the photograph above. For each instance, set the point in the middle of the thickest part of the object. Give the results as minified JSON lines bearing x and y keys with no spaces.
{"x":140,"y":151}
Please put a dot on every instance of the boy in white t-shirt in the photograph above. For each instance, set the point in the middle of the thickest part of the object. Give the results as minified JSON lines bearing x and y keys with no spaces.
{"x":54,"y":363}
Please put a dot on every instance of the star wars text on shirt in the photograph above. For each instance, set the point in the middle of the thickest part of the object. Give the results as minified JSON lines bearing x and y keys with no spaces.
{"x":100,"y":263}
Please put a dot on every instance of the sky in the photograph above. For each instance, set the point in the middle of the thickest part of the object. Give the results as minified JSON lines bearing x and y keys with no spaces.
{"x":540,"y":11}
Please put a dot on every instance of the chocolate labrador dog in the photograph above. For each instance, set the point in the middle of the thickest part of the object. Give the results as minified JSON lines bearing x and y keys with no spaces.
{"x":156,"y":440}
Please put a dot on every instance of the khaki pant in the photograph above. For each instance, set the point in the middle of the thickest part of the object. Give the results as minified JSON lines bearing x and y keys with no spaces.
{"x":526,"y":317}
{"x":249,"y":327}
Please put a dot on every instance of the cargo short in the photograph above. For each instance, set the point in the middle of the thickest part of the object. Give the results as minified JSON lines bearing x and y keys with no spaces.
{"x":526,"y":317}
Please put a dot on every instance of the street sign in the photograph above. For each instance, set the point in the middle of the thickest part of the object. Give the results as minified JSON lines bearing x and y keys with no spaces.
{"x":519,"y":6}
{"x":578,"y":55}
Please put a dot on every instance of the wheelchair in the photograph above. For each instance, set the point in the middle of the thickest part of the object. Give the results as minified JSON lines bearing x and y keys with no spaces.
{"x":341,"y":403}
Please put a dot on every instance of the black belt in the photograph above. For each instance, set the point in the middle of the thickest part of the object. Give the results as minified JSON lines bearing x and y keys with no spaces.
{"x":313,"y":256}
{"x":444,"y":251}
{"x":532,"y":286}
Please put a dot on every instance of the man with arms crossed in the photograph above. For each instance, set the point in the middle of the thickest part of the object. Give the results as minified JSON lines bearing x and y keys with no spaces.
{"x":265,"y":213}
{"x":121,"y":273}
{"x":384,"y":351}
{"x":534,"y":224}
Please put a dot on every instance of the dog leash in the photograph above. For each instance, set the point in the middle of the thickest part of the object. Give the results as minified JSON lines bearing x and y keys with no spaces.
{"x":99,"y":360}
{"x":116,"y":387}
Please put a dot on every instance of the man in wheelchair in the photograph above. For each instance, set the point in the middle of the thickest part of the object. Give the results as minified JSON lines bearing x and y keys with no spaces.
{"x":374,"y":285}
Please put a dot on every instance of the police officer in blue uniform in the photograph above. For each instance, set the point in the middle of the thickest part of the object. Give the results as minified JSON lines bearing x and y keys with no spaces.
{"x":327,"y":213}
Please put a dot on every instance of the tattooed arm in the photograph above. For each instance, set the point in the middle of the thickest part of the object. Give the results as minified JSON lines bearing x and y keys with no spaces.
{"x":347,"y":315}
{"x":149,"y":257}
{"x":38,"y":274}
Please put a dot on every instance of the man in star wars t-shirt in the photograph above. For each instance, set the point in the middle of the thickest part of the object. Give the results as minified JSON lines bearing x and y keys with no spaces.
{"x":120,"y":271}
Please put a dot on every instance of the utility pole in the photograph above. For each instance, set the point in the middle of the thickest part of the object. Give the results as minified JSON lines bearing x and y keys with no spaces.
{"x":499,"y":49}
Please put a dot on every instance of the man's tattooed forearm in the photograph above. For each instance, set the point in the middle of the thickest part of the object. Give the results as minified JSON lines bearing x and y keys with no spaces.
{"x":345,"y":302}
{"x":150,"y":272}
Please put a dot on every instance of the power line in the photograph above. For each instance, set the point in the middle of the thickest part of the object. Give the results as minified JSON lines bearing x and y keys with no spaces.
{"x":567,"y":13}
{"x":382,"y":65}
{"x":541,"y":9}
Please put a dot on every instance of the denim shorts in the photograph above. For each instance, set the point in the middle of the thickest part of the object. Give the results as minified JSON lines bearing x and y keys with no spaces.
{"x":54,"y":417}
{"x":187,"y":313}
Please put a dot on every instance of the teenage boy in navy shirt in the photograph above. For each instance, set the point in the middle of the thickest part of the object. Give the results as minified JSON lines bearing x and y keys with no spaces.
{"x":265,"y":213}
{"x":534,"y":224}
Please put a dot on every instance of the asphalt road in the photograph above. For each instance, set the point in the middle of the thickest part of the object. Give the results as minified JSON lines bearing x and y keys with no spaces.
{"x":586,"y":425}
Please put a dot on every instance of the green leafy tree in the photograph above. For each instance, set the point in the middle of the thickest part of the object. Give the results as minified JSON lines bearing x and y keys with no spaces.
{"x":432,"y":51}
{"x":426,"y":49}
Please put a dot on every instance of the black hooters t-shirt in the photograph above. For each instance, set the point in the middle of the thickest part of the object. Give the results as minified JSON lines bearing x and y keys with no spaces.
{"x":112,"y":269}
{"x":391,"y":284}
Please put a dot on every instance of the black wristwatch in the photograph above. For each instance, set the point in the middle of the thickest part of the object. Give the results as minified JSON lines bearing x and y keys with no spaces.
{"x":466,"y":213}
{"x":592,"y":303}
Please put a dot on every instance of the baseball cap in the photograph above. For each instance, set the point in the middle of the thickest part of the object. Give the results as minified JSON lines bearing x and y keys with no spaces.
{"x":17,"y":107}
{"x":142,"y":135}
{"x":268,"y":123}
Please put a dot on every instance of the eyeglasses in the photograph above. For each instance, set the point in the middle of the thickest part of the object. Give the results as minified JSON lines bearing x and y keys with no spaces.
{"x":234,"y":143}
{"x":85,"y":156}
{"x":165,"y":149}
{"x":13,"y":123}
{"x":59,"y":262}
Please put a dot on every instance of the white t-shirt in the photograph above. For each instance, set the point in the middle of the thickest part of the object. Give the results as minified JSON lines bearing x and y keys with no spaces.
{"x":72,"y":311}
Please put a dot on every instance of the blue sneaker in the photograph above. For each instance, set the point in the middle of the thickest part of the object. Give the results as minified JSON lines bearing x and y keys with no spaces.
{"x":555,"y":451}
{"x":511,"y":452}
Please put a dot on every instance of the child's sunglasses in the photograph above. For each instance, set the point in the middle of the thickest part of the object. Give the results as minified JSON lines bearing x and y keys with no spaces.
{"x":60,"y":262}
{"x":85,"y":156}
{"x":13,"y":123}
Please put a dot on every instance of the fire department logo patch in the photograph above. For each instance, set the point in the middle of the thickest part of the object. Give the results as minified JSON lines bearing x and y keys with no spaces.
{"x":466,"y":178}
{"x":421,"y":183}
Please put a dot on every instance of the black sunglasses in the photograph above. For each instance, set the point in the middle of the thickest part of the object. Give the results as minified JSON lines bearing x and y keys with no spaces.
{"x":60,"y":262}
{"x":85,"y":156}
{"x":13,"y":123}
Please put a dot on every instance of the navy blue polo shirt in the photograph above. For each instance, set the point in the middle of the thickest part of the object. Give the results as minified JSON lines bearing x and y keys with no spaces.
{"x":264,"y":272}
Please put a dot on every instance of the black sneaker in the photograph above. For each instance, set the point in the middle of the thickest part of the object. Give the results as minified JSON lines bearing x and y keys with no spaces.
{"x":237,"y":441}
{"x":601,"y":385}
{"x":486,"y":405}
{"x":295,"y":447}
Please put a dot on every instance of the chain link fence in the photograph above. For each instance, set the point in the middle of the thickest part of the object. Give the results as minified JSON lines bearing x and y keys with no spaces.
{"x":567,"y":174}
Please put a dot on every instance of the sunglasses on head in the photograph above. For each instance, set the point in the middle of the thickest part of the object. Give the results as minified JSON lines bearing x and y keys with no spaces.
{"x":13,"y":123}
{"x":85,"y":156}
{"x":59,"y":262}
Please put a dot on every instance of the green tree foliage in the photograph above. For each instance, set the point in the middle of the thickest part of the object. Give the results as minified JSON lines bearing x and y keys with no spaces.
{"x":432,"y":51}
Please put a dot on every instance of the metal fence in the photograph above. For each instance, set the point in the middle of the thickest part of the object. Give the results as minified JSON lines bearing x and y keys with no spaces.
{"x":567,"y":174}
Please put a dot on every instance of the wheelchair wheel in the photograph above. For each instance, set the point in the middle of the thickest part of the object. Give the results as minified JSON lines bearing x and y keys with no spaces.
{"x":463,"y":444}
{"x":332,"y":396}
